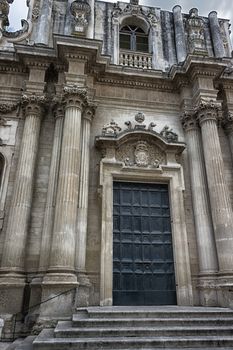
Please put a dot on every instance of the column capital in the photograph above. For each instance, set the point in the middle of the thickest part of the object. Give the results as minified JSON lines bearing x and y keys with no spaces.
{"x":33,"y":104}
{"x":189,"y":120}
{"x":74,"y":95}
{"x":89,"y":111}
{"x":208,"y":110}
{"x":58,"y":107}
{"x":228,"y":123}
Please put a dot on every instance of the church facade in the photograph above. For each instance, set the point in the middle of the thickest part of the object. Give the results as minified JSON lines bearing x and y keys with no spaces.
{"x":116,"y":158}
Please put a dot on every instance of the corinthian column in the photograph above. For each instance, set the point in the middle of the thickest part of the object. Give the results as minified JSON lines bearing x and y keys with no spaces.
{"x":208,"y":113}
{"x":13,"y":259}
{"x":61,"y":276}
{"x":208,"y":262}
{"x":50,"y":202}
{"x":62,"y":258}
{"x":16,"y":233}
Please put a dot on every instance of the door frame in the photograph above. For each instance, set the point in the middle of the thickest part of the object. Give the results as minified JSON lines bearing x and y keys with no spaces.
{"x":171,"y":174}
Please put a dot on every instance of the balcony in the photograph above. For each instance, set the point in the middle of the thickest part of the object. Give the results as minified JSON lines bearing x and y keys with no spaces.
{"x":136,"y":59}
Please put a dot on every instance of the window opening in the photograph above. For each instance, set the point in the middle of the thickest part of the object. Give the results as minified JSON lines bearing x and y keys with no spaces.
{"x":133,"y":38}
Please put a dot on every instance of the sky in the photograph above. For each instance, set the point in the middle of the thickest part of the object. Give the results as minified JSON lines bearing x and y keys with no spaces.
{"x":224,"y":8}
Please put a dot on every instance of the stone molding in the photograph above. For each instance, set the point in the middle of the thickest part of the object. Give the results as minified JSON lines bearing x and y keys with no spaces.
{"x":161,"y":85}
{"x":33,"y":104}
{"x":74,"y":96}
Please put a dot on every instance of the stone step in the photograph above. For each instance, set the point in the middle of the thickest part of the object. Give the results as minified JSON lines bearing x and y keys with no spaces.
{"x":46,"y":341}
{"x":152,"y":312}
{"x":150,"y":322}
{"x":64,"y":329}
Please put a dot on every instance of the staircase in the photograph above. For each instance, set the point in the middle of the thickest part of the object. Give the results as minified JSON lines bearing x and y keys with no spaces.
{"x":169,"y":327}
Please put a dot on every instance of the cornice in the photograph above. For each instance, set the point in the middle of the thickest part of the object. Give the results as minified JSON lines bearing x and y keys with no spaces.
{"x":203,"y":66}
{"x":160,"y":85}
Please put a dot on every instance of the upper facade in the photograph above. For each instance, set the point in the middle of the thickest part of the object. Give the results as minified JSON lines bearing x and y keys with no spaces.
{"x":130,"y":34}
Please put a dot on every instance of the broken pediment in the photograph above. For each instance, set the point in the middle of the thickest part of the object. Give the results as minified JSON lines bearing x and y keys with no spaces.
{"x":138,"y":145}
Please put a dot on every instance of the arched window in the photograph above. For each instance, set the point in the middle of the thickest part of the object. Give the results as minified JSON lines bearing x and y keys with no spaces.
{"x":133,"y":38}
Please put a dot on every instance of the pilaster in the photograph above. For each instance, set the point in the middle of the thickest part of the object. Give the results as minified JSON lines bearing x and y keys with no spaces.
{"x":84,"y":287}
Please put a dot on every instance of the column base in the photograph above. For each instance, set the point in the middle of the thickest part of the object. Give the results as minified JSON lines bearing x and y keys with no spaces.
{"x":225,"y":290}
{"x":11,"y":293}
{"x":207,"y":285}
{"x":82,"y":297}
{"x":58,"y":295}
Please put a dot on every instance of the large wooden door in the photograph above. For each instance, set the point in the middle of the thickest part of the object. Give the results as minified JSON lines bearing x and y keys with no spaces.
{"x":143,"y":266}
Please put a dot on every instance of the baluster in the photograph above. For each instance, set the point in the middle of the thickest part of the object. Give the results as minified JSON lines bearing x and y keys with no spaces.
{"x":140,"y":61}
{"x":149,"y":65}
{"x":121,"y":59}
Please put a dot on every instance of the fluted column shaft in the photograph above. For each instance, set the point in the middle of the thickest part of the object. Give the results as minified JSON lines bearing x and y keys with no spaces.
{"x":16,"y":233}
{"x":50,"y":202}
{"x":208,"y":262}
{"x":62,"y":256}
{"x":83,"y":191}
{"x":219,"y":195}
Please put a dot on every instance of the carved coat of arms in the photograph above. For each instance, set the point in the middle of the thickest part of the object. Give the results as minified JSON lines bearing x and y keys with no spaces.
{"x":141,"y":154}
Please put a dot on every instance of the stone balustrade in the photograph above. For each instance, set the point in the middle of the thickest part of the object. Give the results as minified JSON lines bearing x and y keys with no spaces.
{"x":136,"y":59}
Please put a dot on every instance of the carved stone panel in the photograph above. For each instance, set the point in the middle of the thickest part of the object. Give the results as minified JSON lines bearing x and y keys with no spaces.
{"x":140,"y":154}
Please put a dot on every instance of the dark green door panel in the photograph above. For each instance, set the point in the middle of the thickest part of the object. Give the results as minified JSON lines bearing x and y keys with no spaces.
{"x":143,"y":267}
